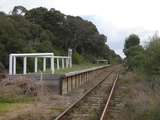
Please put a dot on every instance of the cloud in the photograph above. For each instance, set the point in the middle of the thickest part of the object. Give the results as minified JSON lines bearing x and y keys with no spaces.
{"x":8,"y":5}
{"x":116,"y":36}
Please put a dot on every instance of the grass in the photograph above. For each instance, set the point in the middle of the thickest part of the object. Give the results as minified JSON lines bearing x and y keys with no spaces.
{"x":76,"y":68}
{"x":15,"y":103}
{"x":140,"y":101}
{"x":18,"y":99}
{"x":7,"y":107}
{"x":9,"y":104}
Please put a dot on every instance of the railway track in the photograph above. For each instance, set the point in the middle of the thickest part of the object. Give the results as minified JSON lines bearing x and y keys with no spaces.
{"x":76,"y":94}
{"x":94,"y":103}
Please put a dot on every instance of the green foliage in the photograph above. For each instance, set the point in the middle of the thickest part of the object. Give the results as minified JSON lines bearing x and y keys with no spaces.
{"x":76,"y":67}
{"x":71,"y":32}
{"x":145,"y":60}
{"x":132,"y":40}
{"x":153,"y":56}
{"x":1,"y":67}
{"x":113,"y":57}
{"x":5,"y":107}
{"x":19,"y":35}
{"x":8,"y":104}
{"x":43,"y":30}
{"x":78,"y":59}
{"x":135,"y":56}
{"x":151,"y":114}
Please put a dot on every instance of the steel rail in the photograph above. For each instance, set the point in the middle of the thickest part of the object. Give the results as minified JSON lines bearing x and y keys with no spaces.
{"x":109,"y":99}
{"x":83,"y":96}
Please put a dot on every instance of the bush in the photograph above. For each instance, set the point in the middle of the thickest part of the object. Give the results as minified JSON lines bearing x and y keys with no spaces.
{"x":78,"y":59}
{"x":151,"y":114}
{"x":153,"y":56}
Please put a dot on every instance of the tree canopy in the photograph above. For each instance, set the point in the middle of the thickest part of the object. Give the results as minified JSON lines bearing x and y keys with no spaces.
{"x":134,"y":52}
{"x":131,"y":41}
{"x":43,"y":30}
{"x":144,"y":59}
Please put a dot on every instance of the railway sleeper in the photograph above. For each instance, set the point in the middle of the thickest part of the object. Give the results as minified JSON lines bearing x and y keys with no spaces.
{"x":82,"y":117}
{"x":95,"y":97}
{"x":88,"y":108}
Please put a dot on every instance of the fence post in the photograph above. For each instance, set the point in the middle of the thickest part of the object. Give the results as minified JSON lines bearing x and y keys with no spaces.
{"x":10,"y":64}
{"x":70,"y":61}
{"x":14,"y":65}
{"x":67,"y":62}
{"x":63,"y":63}
{"x":52,"y":63}
{"x":44,"y":64}
{"x":24,"y":65}
{"x":70,"y":57}
{"x":36,"y":64}
{"x":57,"y":63}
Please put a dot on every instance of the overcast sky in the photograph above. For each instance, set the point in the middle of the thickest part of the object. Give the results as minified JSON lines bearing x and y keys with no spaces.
{"x":114,"y":18}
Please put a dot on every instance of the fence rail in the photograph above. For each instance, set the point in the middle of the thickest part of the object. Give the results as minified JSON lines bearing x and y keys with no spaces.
{"x":66,"y":61}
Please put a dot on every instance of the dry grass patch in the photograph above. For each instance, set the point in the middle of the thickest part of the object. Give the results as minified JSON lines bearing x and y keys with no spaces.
{"x":140,"y":100}
{"x":24,"y":99}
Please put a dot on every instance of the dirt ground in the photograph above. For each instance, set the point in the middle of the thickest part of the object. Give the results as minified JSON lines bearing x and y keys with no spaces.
{"x":27,"y":100}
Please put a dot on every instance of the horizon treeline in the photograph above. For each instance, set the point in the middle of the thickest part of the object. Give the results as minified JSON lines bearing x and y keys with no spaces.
{"x":43,"y":30}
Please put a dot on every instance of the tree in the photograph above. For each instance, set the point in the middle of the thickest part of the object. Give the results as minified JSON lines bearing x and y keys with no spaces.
{"x":132,"y":40}
{"x":153,"y":56}
{"x":134,"y":52}
{"x":71,"y":32}
{"x":136,"y":58}
{"x":43,"y":30}
{"x":36,"y":15}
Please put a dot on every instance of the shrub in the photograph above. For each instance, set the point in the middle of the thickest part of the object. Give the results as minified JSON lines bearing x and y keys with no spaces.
{"x":153,"y":56}
{"x":78,"y":59}
{"x":151,"y":114}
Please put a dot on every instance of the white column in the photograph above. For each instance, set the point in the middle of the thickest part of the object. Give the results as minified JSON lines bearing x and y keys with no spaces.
{"x":14,"y":65}
{"x":35,"y":64}
{"x":67,"y":62}
{"x":10,"y":64}
{"x":70,"y":57}
{"x":57,"y":63}
{"x":44,"y":64}
{"x":25,"y":65}
{"x":63,"y":63}
{"x":52,"y":64}
{"x":70,"y":61}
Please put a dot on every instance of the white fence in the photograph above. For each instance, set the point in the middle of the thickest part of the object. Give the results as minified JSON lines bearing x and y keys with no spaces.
{"x":66,"y":61}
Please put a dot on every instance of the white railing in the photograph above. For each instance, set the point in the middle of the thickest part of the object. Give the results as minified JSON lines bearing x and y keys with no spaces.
{"x":66,"y":61}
